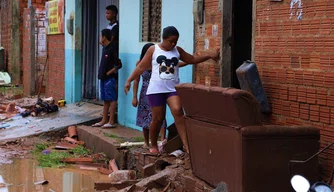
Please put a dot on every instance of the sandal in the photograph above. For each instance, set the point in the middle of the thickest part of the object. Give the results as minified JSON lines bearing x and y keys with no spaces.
{"x":153,"y":151}
{"x":97,"y":125}
{"x":108,"y":125}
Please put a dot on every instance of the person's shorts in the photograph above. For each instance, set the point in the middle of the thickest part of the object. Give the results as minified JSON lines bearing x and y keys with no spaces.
{"x":159,"y":99}
{"x":108,"y":89}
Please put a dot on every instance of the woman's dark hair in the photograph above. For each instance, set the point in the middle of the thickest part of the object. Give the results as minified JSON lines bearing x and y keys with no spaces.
{"x":106,"y":33}
{"x":112,"y":8}
{"x":144,"y":49}
{"x":169,"y":31}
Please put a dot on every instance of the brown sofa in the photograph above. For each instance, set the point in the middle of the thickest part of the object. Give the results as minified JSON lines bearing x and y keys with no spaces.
{"x":228,"y":142}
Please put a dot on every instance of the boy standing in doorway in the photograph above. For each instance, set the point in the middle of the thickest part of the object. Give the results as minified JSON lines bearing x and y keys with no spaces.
{"x":108,"y":79}
{"x":111,"y":16}
{"x":113,"y":26}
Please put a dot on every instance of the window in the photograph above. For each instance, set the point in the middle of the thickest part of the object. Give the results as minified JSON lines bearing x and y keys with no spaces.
{"x":151,"y":20}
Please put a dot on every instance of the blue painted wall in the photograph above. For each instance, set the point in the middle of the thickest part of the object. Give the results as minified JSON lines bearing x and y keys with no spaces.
{"x":73,"y":59}
{"x":174,"y":12}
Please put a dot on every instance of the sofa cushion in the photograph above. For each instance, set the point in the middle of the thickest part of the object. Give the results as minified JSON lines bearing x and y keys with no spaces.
{"x":225,"y":106}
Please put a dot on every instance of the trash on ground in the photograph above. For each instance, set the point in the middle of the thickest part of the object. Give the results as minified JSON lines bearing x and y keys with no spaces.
{"x":46,"y":152}
{"x":113,"y":165}
{"x":73,"y":141}
{"x":89,"y":166}
{"x":4,"y":126}
{"x":79,"y":159}
{"x":122,"y":175}
{"x":5,"y":78}
{"x":133,"y":144}
{"x":177,"y":153}
{"x":72,"y":132}
{"x":43,"y":107}
{"x":44,"y":182}
{"x":65,"y":145}
{"x":161,"y":146}
{"x":105,"y":170}
{"x":2,"y":185}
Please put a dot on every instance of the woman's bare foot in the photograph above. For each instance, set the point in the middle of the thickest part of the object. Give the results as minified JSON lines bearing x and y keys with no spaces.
{"x":146,"y":145}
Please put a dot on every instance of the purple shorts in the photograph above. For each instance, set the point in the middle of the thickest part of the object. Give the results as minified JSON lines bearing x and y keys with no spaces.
{"x":159,"y":99}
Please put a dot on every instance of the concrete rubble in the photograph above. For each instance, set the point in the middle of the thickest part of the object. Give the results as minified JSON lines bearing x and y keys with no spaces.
{"x":130,"y":168}
{"x":133,"y":169}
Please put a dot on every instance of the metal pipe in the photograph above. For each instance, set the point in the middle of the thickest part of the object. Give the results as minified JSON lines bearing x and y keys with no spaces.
{"x":309,"y":159}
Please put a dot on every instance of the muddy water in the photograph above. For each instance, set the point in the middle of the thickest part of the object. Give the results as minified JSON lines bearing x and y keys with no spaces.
{"x":21,"y":175}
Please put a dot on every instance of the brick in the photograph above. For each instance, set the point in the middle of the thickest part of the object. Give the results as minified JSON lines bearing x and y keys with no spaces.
{"x":179,"y":188}
{"x":142,"y":159}
{"x":324,"y":114}
{"x":199,"y":185}
{"x":148,"y":170}
{"x":314,"y":113}
{"x":189,"y":183}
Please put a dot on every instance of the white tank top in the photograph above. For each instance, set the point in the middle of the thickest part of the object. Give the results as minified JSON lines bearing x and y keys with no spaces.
{"x":165,"y":71}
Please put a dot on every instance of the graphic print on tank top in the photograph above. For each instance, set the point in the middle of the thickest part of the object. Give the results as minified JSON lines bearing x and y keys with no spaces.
{"x":167,"y":67}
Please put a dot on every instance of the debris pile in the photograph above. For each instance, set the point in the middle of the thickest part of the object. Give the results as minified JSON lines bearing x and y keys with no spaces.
{"x":20,"y":108}
{"x":42,"y":107}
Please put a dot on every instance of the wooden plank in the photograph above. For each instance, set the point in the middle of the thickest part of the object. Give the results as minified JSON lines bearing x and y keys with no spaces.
{"x":79,"y":159}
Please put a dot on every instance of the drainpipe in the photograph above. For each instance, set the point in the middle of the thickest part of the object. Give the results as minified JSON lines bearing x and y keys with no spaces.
{"x":29,"y":3}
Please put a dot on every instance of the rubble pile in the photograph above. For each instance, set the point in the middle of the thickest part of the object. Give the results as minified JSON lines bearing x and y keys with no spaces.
{"x":25,"y":107}
{"x":139,"y":171}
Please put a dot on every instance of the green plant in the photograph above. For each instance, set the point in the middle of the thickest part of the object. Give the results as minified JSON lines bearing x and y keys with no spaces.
{"x":39,"y":147}
{"x":111,"y":135}
{"x":53,"y":159}
{"x":138,"y":139}
{"x":79,"y":151}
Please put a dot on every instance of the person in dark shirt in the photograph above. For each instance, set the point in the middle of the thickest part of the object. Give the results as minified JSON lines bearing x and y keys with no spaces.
{"x":113,"y":26}
{"x":108,"y":82}
{"x":111,"y":16}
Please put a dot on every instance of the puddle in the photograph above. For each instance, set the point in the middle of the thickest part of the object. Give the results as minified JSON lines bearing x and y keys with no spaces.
{"x":6,"y":155}
{"x":23,"y":173}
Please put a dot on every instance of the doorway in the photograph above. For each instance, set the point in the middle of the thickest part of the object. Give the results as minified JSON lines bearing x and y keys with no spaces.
{"x":93,"y":21}
{"x":242,"y":29}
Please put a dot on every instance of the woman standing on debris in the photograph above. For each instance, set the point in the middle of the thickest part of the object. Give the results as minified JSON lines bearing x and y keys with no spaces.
{"x":164,"y":58}
{"x":144,"y":113}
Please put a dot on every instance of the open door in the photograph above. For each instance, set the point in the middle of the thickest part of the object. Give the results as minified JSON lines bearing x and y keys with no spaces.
{"x":93,"y":21}
{"x":236,"y":39}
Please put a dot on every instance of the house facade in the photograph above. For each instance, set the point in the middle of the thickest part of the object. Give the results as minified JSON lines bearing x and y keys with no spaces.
{"x":137,"y":20}
{"x":173,"y":12}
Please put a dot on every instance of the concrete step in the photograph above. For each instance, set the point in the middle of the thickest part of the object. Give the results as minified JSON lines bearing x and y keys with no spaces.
{"x":107,"y":140}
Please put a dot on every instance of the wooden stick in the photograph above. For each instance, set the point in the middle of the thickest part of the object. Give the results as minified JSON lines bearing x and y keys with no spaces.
{"x":41,"y":83}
